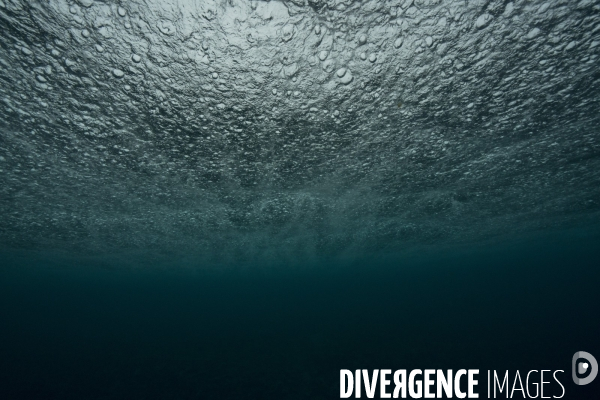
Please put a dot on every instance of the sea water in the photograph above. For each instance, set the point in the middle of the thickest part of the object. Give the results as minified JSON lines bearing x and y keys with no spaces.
{"x":239,"y":199}
{"x":72,"y":329}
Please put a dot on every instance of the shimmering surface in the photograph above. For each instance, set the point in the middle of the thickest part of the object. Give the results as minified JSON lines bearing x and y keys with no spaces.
{"x":254,"y":131}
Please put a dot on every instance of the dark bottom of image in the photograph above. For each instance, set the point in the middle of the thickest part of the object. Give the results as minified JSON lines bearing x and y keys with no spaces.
{"x":74,"y":330}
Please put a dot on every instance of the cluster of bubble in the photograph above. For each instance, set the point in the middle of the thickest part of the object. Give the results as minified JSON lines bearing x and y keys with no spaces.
{"x":252,"y":130}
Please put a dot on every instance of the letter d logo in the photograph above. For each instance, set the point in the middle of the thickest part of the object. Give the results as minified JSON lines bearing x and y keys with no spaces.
{"x":583,"y":367}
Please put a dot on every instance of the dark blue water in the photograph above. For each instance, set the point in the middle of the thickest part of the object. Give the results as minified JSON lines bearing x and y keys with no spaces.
{"x":73,"y":330}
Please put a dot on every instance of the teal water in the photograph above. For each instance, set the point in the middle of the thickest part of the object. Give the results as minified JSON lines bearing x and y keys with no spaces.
{"x":73,"y":330}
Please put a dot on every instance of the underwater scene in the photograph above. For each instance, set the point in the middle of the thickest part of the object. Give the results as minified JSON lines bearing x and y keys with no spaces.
{"x":299,"y":199}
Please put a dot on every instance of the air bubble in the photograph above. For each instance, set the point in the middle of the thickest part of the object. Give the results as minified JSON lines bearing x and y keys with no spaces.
{"x":215,"y":75}
{"x":429,"y":41}
{"x":287,"y":33}
{"x":318,"y":30}
{"x":136,"y":58}
{"x":398,"y":42}
{"x":118,"y":73}
{"x":341,"y":72}
{"x":373,"y":57}
{"x":347,"y":78}
{"x":323,"y":55}
{"x":85,"y":33}
{"x":363,"y":56}
{"x":362,"y":39}
{"x":99,"y":48}
{"x":122,"y":12}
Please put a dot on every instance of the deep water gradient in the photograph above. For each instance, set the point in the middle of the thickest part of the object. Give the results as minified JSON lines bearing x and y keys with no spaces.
{"x":74,"y":331}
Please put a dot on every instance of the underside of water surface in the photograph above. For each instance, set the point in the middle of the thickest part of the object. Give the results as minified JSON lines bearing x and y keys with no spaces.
{"x":295,"y":131}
